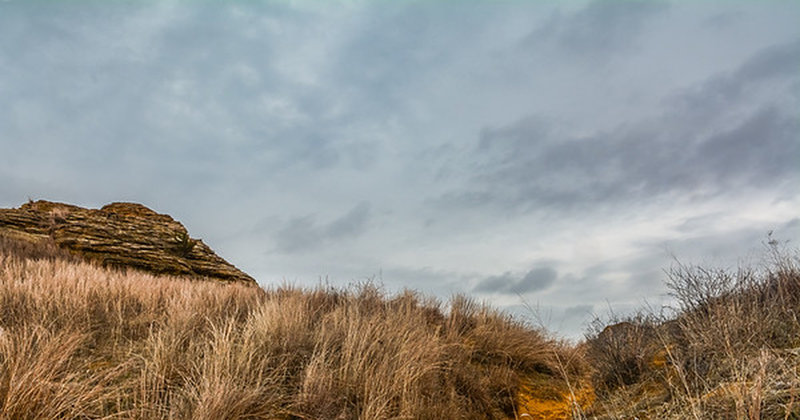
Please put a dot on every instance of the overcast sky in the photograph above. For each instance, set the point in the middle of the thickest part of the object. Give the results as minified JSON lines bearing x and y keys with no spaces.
{"x":549,"y":154}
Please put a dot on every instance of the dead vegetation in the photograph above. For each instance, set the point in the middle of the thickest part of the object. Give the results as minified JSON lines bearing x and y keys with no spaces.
{"x":78,"y":341}
{"x":731,"y":350}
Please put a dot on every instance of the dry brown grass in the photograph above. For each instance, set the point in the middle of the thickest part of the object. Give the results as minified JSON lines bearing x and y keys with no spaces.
{"x":81,"y":342}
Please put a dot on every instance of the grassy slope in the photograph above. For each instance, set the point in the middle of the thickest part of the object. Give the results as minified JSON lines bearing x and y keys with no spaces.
{"x":79,"y":341}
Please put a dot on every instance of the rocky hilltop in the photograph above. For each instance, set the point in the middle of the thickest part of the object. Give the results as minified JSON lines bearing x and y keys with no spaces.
{"x":119,"y":235}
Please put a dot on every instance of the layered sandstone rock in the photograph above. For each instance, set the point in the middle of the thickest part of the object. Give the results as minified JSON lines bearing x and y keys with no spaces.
{"x":119,"y":235}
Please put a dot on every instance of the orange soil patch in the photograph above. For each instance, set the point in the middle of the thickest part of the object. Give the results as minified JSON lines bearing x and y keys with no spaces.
{"x":542,"y":399}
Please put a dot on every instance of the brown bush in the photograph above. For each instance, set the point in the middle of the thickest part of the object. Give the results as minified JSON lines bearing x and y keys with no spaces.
{"x":621,"y":352}
{"x":731,"y":350}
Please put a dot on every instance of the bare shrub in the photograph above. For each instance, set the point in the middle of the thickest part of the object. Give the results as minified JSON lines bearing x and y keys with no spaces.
{"x":621,"y":353}
{"x":731,"y":351}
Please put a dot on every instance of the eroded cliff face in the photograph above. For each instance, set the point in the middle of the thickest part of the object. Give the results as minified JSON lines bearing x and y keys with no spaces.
{"x":119,"y":235}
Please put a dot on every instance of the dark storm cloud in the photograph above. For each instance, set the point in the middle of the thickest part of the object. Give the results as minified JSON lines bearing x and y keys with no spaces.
{"x":600,"y":29}
{"x":717,"y":139}
{"x":304,"y":234}
{"x":535,"y":280}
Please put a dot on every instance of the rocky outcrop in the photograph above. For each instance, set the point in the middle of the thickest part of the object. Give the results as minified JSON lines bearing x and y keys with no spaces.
{"x":119,"y":235}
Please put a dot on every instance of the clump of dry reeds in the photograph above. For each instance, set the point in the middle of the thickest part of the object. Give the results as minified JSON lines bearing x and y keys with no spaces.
{"x":79,"y":341}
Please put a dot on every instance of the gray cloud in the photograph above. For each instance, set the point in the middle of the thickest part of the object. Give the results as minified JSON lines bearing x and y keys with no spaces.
{"x":600,"y":29}
{"x":399,"y":37}
{"x":351,"y":224}
{"x":607,"y":112}
{"x":304,"y":234}
{"x":535,"y":280}
{"x":534,"y":164}
{"x":724,"y":19}
{"x":134,"y":84}
{"x":729,"y":248}
{"x":773,"y":66}
{"x":779,"y":60}
{"x":497,"y":283}
{"x":578,"y":311}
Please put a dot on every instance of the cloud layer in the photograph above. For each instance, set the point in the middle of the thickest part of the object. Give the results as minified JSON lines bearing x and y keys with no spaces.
{"x":548,"y":155}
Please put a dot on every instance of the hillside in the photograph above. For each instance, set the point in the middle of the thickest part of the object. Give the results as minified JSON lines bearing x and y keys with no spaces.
{"x":98,"y":320}
{"x":82,"y":341}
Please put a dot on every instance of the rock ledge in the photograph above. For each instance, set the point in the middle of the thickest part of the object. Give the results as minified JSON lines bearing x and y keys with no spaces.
{"x":119,"y":235}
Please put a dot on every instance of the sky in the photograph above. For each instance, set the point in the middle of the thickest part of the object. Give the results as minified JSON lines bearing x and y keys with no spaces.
{"x":552,"y":159}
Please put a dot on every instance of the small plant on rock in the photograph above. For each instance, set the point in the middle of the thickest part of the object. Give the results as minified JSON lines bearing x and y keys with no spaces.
{"x":184,"y":244}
